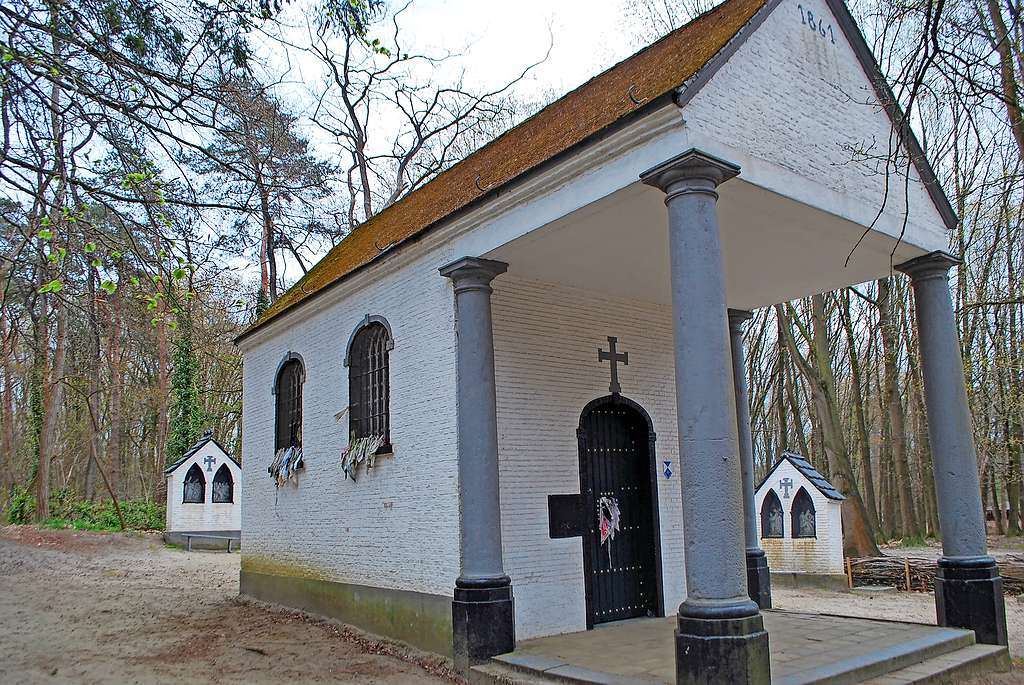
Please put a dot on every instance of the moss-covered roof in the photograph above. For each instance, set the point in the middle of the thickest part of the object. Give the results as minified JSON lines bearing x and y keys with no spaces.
{"x":608,"y":98}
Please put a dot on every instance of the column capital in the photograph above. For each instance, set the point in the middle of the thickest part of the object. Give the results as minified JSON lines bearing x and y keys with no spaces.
{"x":931,"y":265}
{"x":738,"y":317}
{"x":689,"y":172}
{"x":472,"y":272}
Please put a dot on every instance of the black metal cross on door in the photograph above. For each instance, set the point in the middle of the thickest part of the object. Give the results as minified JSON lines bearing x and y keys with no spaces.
{"x":209,"y":461}
{"x":614,"y":357}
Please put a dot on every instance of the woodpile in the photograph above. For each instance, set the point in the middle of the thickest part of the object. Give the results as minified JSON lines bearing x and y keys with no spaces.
{"x":918,"y":574}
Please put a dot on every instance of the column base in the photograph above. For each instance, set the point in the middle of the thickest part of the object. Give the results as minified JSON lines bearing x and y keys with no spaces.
{"x":969,"y":594}
{"x":759,"y":578}
{"x":483,"y":620}
{"x":710,"y":651}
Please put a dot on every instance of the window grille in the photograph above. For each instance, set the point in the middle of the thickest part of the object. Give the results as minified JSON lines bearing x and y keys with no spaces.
{"x":369,"y":384}
{"x":288,"y":431}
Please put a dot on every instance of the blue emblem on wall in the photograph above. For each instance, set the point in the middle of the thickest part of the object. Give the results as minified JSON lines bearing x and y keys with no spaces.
{"x":668,"y":469}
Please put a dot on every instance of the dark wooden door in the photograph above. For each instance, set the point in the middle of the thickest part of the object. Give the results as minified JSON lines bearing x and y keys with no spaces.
{"x":615,"y":463}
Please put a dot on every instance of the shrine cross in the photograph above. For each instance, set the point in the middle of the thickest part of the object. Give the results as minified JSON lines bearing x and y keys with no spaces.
{"x":786,"y":484}
{"x":210,"y":461}
{"x":614,"y":357}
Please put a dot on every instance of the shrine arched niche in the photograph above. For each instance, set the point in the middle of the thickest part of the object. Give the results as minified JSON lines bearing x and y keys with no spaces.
{"x":772,"y":516}
{"x":194,"y":486}
{"x":621,"y":525}
{"x":223,"y":486}
{"x":804,"y":518}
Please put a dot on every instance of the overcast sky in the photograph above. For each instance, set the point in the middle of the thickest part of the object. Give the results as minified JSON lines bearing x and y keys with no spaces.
{"x":493,"y":41}
{"x":586,"y":36}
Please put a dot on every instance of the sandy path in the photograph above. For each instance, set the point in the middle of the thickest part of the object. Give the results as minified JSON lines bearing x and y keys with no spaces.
{"x":91,"y":608}
{"x":95,"y":608}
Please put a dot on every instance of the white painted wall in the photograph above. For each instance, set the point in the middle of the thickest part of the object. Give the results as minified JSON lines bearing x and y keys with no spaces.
{"x":182,"y":517}
{"x":790,"y":106}
{"x":785,"y":108}
{"x":397,"y":527}
{"x":819,"y":555}
{"x":546,"y":339}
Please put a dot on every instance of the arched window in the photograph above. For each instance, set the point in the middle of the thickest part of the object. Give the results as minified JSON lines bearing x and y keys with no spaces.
{"x":771,"y":516}
{"x":194,"y":490}
{"x":223,"y":486}
{"x":803,"y":515}
{"x":288,"y":392}
{"x":369,"y":383}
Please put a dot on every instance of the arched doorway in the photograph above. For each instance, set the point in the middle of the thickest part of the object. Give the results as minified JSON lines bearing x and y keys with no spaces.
{"x":621,"y":538}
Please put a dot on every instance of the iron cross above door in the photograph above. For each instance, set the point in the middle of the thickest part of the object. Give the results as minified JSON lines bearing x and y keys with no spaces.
{"x":614,"y":357}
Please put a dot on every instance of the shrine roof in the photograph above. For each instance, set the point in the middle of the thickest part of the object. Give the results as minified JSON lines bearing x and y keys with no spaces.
{"x":207,"y":437}
{"x":812,"y":474}
{"x":638,"y":84}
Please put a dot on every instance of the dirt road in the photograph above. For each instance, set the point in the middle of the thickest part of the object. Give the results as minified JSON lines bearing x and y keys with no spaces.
{"x":94,"y":608}
{"x":110,"y":608}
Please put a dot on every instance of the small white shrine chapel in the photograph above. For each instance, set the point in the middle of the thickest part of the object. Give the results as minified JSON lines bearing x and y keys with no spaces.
{"x":203,"y":494}
{"x":800,"y":522}
{"x":513,"y":405}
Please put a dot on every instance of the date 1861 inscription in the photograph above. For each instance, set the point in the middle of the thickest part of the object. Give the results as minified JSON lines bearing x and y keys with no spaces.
{"x":816,"y":25}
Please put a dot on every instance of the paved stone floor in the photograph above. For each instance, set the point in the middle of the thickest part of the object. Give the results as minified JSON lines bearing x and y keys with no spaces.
{"x":805,"y":648}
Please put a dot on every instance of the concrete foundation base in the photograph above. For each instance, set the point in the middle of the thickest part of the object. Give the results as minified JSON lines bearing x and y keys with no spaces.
{"x":731,"y":650}
{"x":759,"y":580}
{"x":971,"y":596}
{"x":419,"y":619}
{"x":483,"y":623}
{"x":204,"y":539}
{"x":818,"y":581}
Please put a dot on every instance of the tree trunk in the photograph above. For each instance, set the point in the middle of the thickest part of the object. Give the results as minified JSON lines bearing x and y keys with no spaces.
{"x":164,"y":389}
{"x":859,"y":539}
{"x":894,"y":410}
{"x":867,"y":480}
{"x":115,"y":370}
{"x":1002,"y":44}
{"x":53,"y":400}
{"x":997,"y":507}
{"x":780,"y":389}
{"x":7,"y":442}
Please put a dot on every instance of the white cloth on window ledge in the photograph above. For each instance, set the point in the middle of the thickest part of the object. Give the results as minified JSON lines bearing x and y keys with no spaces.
{"x":287,"y":461}
{"x":360,"y":450}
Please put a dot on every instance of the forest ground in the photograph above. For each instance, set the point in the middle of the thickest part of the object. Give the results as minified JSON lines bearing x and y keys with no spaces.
{"x":78,"y":607}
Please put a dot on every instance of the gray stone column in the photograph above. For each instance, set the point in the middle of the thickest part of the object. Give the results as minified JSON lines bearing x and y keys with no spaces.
{"x":483,"y":623}
{"x":968,"y":588}
{"x":720,"y":635}
{"x":759,"y":583}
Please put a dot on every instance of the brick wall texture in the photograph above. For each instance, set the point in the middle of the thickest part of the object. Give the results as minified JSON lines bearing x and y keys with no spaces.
{"x":789,"y":96}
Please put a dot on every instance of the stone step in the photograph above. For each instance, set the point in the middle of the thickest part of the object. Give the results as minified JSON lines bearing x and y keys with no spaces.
{"x":953,"y":667}
{"x":945,"y":661}
{"x":900,"y":655}
{"x":497,"y":673}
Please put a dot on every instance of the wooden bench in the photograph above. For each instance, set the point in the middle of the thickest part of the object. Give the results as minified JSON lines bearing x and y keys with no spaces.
{"x":188,"y":539}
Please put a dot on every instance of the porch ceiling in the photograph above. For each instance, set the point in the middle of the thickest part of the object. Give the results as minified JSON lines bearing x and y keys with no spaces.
{"x":775,"y":249}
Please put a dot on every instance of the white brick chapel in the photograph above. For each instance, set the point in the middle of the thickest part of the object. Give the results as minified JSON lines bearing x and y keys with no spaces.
{"x":505,"y":407}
